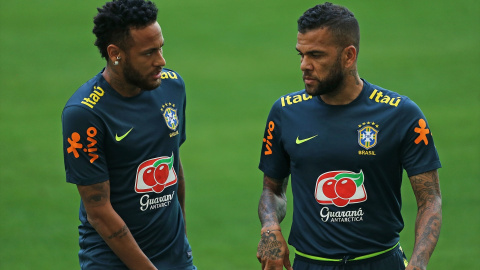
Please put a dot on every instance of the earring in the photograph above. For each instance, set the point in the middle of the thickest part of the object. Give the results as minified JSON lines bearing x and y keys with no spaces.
{"x":116,"y":62}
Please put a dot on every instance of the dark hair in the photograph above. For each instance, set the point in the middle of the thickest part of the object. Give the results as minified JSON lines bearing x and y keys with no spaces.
{"x":339,"y":20}
{"x":114,"y":20}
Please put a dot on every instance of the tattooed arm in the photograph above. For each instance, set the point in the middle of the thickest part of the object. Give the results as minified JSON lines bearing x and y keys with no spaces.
{"x":429,"y":218}
{"x":272,"y":250}
{"x":111,"y":227}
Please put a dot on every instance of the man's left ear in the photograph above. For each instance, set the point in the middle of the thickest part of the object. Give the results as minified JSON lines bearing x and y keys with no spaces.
{"x":349,"y":55}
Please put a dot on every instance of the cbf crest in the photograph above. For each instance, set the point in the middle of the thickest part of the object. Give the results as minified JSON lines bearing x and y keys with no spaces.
{"x":170,"y":115}
{"x":367,"y":135}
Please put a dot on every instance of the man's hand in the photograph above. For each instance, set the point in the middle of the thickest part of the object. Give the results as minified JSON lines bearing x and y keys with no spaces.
{"x":273,"y":251}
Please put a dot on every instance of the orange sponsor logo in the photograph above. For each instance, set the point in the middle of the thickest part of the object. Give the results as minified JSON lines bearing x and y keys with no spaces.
{"x":422,"y":132}
{"x":90,"y":149}
{"x":268,"y":143}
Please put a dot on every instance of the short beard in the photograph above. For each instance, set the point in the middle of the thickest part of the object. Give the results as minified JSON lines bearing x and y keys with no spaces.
{"x":331,"y":83}
{"x":133,"y":77}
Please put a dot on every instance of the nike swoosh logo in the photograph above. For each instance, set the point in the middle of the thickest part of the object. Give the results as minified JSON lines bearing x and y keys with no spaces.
{"x":298,"y":141}
{"x":119,"y":138}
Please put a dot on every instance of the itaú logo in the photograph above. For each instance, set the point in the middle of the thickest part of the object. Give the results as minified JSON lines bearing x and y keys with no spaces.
{"x":340,"y":188}
{"x":155,"y":174}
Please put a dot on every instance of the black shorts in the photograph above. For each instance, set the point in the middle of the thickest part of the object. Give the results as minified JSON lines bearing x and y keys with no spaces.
{"x":394,"y":259}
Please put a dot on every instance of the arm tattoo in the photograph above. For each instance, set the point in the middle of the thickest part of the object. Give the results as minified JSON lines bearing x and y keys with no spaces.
{"x":269,"y":247}
{"x":97,"y":194}
{"x":120,"y":233}
{"x":429,"y":217}
{"x":269,"y":212}
{"x":273,"y":202}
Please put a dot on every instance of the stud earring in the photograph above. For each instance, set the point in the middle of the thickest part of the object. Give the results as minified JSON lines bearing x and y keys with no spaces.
{"x":116,"y":62}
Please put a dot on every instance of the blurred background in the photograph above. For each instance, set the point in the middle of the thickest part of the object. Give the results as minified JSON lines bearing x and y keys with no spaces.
{"x":237,"y":58}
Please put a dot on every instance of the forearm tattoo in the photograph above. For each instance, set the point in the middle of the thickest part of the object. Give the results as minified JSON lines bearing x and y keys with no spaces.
{"x":273,"y":202}
{"x":97,"y":194}
{"x":271,"y":210}
{"x":269,"y":247}
{"x":429,"y":217}
{"x":120,"y":233}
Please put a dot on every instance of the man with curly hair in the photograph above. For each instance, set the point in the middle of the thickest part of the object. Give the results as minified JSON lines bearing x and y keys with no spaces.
{"x":345,"y":143}
{"x":122,"y":131}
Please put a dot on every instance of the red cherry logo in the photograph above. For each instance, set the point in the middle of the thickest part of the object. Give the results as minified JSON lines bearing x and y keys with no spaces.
{"x":345,"y":188}
{"x":340,"y":202}
{"x":161,"y":173}
{"x":148,"y":177}
{"x":328,"y":189}
{"x":158,"y":188}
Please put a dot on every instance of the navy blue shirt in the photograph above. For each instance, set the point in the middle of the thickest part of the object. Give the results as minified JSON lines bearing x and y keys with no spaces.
{"x":133,"y":142}
{"x":346,"y":164}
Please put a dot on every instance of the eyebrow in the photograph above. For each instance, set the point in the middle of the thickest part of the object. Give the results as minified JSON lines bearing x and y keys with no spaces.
{"x":309,"y":52}
{"x":153,"y":48}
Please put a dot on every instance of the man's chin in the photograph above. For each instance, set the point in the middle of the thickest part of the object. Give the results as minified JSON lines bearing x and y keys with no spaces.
{"x":312,"y":91}
{"x":152,"y":86}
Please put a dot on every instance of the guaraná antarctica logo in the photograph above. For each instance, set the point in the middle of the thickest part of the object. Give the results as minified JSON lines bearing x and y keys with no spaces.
{"x":154,"y":175}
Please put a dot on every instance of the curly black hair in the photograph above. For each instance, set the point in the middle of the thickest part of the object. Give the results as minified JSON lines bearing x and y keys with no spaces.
{"x":113,"y":22}
{"x":339,"y":20}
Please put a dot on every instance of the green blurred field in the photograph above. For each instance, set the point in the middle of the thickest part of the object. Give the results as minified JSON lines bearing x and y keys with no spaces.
{"x":236,"y":57}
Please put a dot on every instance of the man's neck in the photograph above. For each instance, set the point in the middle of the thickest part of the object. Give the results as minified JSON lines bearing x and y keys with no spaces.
{"x":347,"y":92}
{"x":118,"y":83}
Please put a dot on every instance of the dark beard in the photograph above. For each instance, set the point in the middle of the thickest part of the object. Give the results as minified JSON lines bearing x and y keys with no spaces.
{"x":331,"y":83}
{"x":133,"y":77}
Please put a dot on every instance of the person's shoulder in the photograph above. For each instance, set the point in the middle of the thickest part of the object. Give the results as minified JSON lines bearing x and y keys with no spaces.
{"x":87,"y":94}
{"x":82,"y":104}
{"x":392,"y":102}
{"x":385,"y":97}
{"x":293,"y":99}
{"x":171,"y":77}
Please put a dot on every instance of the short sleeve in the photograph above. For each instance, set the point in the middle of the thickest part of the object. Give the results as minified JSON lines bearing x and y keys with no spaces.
{"x":418,"y":150}
{"x":274,"y":160}
{"x":83,"y":146}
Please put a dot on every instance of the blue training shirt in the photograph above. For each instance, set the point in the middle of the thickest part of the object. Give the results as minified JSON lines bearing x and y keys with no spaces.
{"x":346,"y":164}
{"x":133,"y":142}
